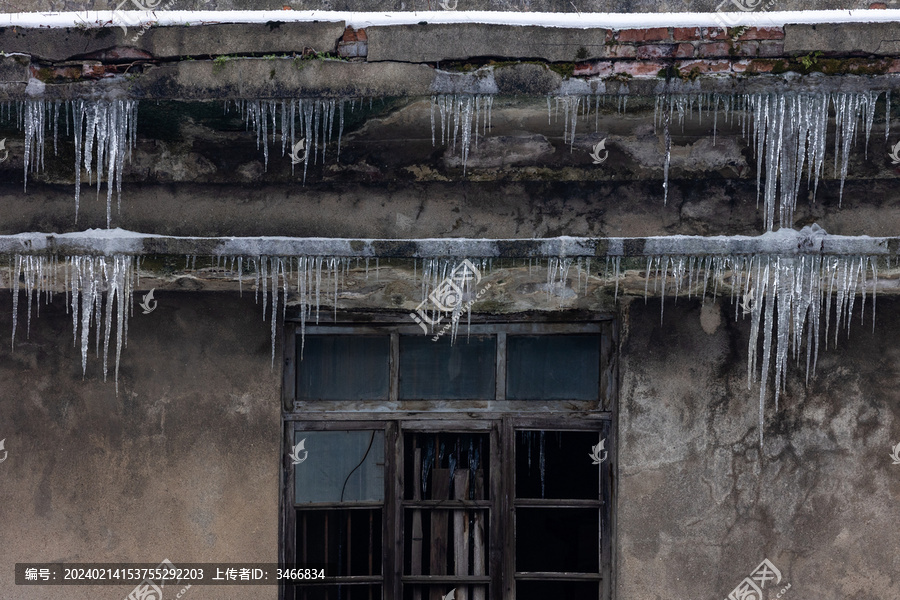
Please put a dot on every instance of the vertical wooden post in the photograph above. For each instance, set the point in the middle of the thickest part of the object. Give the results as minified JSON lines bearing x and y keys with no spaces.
{"x":440,"y":490}
{"x":416,"y":545}
{"x":461,"y":530}
{"x":478,"y":551}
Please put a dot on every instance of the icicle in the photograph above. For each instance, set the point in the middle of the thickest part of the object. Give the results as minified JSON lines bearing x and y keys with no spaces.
{"x":459,"y":116}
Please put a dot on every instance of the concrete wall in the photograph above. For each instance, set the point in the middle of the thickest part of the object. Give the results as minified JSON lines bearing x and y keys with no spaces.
{"x":181,"y":464}
{"x":700,"y":505}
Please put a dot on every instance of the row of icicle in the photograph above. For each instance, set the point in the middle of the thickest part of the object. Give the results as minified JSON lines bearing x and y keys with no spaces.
{"x":788,"y":133}
{"x":788,"y":299}
{"x":787,"y":130}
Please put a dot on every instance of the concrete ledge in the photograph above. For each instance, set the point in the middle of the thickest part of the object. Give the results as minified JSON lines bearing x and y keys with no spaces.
{"x":60,"y":44}
{"x":786,"y":242}
{"x":293,"y":78}
{"x":433,"y":43}
{"x":880,"y":39}
{"x":15,"y":69}
{"x":281,"y":78}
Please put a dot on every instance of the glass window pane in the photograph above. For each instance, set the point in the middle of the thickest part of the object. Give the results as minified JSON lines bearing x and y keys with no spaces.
{"x":338,"y":466}
{"x":344,"y":367}
{"x":439,"y":370}
{"x":553,"y":367}
{"x":558,"y":540}
{"x":558,"y":464}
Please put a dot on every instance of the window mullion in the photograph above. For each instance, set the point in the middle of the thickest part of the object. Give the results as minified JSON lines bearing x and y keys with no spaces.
{"x":393,"y":520}
{"x":505,"y":484}
{"x":501,"y":365}
{"x":395,"y":367}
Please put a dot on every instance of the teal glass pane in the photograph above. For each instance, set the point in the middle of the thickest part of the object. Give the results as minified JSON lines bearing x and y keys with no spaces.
{"x":338,"y":466}
{"x":344,"y":367}
{"x":441,"y":370}
{"x":553,"y":367}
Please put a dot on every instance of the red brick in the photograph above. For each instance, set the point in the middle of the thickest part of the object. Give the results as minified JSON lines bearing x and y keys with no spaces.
{"x":878,"y":5}
{"x":597,"y":67}
{"x":361,"y":35}
{"x":656,"y":51}
{"x":686,"y":33}
{"x":771,"y":48}
{"x":621,"y":51}
{"x":761,"y":66}
{"x":894,"y":66}
{"x":96,"y":71}
{"x":747,"y":48}
{"x":715,"y":49}
{"x":644,"y":69}
{"x":654,"y":34}
{"x":684,"y":51}
{"x":704,"y":66}
{"x":349,"y":35}
{"x":739,"y":66}
{"x":763,"y":33}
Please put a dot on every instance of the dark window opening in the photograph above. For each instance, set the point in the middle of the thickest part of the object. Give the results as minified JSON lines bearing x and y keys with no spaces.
{"x":487,"y":485}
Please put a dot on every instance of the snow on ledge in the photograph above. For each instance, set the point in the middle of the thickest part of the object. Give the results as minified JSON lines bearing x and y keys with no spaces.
{"x":106,"y":18}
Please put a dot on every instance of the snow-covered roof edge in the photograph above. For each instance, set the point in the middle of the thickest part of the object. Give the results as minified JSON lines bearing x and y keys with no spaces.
{"x":104,"y":18}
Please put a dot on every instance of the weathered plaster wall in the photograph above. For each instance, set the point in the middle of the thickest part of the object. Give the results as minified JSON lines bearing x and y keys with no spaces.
{"x":700,"y":506}
{"x":181,"y":464}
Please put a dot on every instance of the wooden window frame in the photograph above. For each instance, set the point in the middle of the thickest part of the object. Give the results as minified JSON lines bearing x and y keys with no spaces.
{"x":500,"y":417}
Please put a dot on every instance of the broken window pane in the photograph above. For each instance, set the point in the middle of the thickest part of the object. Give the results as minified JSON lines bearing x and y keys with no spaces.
{"x":441,"y":591}
{"x":344,"y":367}
{"x":447,"y":514}
{"x":439,"y":370}
{"x":339,"y":466}
{"x":558,"y":540}
{"x":338,"y":592}
{"x":556,"y":464}
{"x":450,"y":453}
{"x":347,"y":540}
{"x":553,"y":367}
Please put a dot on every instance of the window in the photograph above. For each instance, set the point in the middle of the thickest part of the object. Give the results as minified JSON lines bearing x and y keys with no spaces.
{"x":415,"y":467}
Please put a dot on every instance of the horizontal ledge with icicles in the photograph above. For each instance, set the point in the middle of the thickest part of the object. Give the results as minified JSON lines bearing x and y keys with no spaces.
{"x":784,"y":242}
